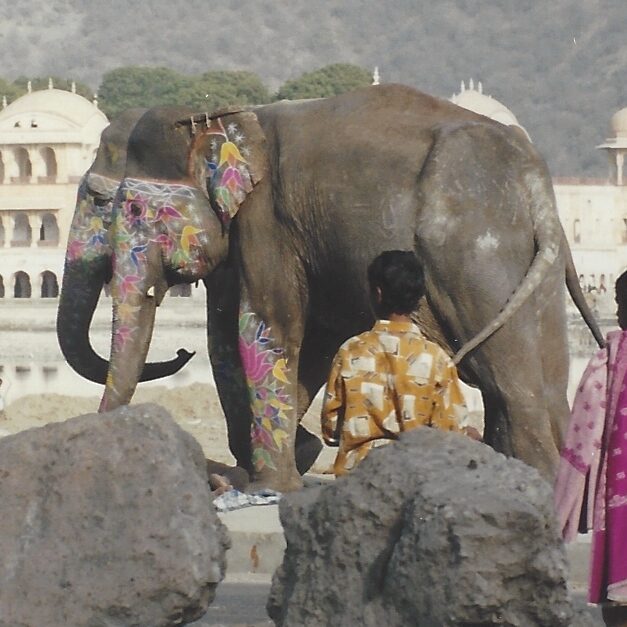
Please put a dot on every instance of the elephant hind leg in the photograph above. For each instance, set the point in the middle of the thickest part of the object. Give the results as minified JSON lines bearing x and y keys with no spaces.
{"x":497,"y":432}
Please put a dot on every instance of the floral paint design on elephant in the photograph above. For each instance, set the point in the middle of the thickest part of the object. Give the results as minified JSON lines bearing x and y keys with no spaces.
{"x":266,"y":372}
{"x":88,"y":232}
{"x":228,"y":176}
{"x":151,"y":216}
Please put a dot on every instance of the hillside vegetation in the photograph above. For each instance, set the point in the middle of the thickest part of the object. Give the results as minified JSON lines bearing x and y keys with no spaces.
{"x":559,"y":65}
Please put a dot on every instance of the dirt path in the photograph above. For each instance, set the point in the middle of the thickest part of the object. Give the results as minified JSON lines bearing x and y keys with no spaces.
{"x":195,"y":408}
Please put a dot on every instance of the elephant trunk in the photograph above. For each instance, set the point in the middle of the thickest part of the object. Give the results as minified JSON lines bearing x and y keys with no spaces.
{"x":133,"y":321}
{"x":82,"y":284}
{"x":87,"y":269}
{"x":79,"y":295}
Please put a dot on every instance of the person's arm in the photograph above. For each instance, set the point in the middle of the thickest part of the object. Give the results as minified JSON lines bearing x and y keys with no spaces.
{"x":333,"y":406}
{"x":450,"y":407}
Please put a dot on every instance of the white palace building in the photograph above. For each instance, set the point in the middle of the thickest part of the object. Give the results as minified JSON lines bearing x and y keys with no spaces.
{"x":48,"y":138}
{"x":593,"y":211}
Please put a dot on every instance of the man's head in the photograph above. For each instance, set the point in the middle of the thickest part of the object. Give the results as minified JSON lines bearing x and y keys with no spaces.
{"x":396,"y":282}
{"x":621,"y":300}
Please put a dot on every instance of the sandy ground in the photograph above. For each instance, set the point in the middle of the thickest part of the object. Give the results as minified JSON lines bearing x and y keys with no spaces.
{"x":195,"y":408}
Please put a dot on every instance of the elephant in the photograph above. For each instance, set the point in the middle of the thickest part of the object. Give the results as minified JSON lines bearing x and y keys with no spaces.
{"x":281,"y":207}
{"x":88,"y":266}
{"x":88,"y":257}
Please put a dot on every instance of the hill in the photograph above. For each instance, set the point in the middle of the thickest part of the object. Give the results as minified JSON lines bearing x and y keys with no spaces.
{"x":560,"y":66}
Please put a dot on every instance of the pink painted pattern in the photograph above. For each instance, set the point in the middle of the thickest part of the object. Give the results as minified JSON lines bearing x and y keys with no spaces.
{"x":87,"y":239}
{"x":228,"y":171}
{"x":266,"y":373}
{"x":150,"y":215}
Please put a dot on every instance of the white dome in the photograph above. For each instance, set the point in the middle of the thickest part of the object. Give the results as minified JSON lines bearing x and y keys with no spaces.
{"x":619,"y":123}
{"x":475,"y":100}
{"x":53,"y":110}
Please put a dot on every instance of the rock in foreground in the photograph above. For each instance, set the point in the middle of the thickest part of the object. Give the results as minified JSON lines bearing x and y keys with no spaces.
{"x":107,"y":520}
{"x":433,"y":530}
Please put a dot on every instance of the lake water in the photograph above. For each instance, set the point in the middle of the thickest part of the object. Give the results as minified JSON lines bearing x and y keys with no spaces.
{"x":31,"y":361}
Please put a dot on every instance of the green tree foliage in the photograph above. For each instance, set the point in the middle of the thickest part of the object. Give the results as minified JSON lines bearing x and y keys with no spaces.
{"x":330,"y":80}
{"x":149,"y":87}
{"x":134,"y":86}
{"x":9,"y":90}
{"x":221,"y":88}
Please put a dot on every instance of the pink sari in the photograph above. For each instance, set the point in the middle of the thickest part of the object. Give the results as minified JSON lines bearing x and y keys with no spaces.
{"x":595,"y":457}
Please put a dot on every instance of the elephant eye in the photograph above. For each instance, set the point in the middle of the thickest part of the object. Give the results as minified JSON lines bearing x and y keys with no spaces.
{"x":101,"y":201}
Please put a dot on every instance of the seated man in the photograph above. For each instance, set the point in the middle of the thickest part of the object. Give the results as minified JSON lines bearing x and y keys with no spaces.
{"x":389,"y":379}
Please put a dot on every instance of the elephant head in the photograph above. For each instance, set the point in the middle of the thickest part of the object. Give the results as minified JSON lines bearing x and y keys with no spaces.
{"x":171,"y":221}
{"x":89,"y":256}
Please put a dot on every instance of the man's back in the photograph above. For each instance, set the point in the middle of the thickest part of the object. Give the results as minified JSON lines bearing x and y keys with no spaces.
{"x":384,"y":381}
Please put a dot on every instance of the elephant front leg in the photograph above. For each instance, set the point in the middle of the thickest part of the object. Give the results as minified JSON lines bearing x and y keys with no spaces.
{"x":271,"y":376}
{"x":222,"y":341}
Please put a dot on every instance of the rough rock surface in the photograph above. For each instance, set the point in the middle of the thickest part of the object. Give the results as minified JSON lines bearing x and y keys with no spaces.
{"x":107,"y":520}
{"x":432,"y":530}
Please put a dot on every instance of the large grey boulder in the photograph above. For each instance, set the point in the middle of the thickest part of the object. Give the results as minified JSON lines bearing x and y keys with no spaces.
{"x":433,"y":530}
{"x":107,"y":520}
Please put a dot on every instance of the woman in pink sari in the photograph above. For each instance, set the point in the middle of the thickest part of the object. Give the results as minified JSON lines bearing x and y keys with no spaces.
{"x":591,"y":486}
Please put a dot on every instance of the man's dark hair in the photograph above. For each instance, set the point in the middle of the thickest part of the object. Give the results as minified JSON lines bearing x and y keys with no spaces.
{"x":399,"y":276}
{"x":621,"y":288}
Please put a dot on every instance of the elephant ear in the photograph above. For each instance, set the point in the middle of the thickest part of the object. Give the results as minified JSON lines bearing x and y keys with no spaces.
{"x":228,"y":158}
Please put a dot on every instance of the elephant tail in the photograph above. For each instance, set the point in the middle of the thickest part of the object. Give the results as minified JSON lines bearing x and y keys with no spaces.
{"x":548,"y":234}
{"x":574,"y":289}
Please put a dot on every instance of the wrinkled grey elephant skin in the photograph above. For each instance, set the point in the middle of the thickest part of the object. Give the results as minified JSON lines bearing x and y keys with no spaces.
{"x":107,"y":520}
{"x":433,"y":530}
{"x":324,"y":186}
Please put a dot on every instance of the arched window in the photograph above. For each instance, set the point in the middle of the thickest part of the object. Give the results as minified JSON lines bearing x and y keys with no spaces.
{"x":592,"y":283}
{"x":577,"y":231}
{"x":1,"y":287}
{"x":22,"y":233}
{"x":22,"y":285}
{"x":49,"y":285}
{"x":184,"y":290}
{"x":50,"y":162}
{"x":49,"y":231}
{"x":24,"y":165}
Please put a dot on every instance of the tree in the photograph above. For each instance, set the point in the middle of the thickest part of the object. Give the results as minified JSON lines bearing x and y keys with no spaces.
{"x":150,"y":87}
{"x":330,"y":80}
{"x":135,"y":86}
{"x":9,"y":90}
{"x":221,"y":88}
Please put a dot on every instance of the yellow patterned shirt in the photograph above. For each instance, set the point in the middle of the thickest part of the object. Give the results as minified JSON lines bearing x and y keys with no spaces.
{"x":384,"y":381}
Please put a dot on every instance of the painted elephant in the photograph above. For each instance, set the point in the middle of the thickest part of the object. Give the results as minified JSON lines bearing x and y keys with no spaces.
{"x":88,"y":267}
{"x":88,"y":257}
{"x":284,"y":205}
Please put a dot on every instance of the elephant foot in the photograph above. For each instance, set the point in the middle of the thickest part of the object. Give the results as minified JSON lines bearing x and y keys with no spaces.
{"x":306,"y":449}
{"x":235,"y":476}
